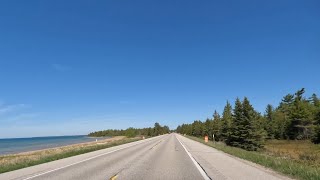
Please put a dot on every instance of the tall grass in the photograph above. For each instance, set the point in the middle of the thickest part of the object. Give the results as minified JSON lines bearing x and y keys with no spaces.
{"x":18,"y":161}
{"x":299,"y":169}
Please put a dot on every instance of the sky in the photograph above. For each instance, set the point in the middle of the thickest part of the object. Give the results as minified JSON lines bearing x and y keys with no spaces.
{"x":72,"y":67}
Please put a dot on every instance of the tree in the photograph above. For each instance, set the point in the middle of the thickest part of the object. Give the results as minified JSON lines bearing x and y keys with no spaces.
{"x":254,"y":133}
{"x":166,"y":129}
{"x":130,"y":132}
{"x":156,"y":129}
{"x":226,"y":123}
{"x":197,"y":128}
{"x":286,"y":105}
{"x":244,"y":134}
{"x":269,"y":112}
{"x":280,"y":125}
{"x":269,"y":124}
{"x":216,"y":125}
{"x":316,"y":134}
{"x":315,"y":100}
{"x":208,"y":128}
{"x":300,"y":126}
{"x":237,"y":127}
{"x":296,"y":118}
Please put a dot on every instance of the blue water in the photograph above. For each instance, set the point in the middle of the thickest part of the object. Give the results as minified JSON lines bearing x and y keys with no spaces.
{"x":17,"y":145}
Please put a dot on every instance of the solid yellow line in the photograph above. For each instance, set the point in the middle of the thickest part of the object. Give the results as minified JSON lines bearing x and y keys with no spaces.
{"x":114,"y":177}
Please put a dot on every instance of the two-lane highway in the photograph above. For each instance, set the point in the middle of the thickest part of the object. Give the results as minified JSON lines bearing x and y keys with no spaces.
{"x":164,"y":157}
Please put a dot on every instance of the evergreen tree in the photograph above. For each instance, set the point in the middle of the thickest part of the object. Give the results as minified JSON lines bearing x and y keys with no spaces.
{"x":253,"y":134}
{"x":130,"y":132}
{"x":280,"y":125}
{"x":286,"y":105}
{"x":269,"y":124}
{"x":216,"y":125}
{"x":300,"y":126}
{"x":208,"y":126}
{"x":316,"y":134}
{"x":226,"y":123}
{"x":269,"y":112}
{"x":197,"y":128}
{"x":156,"y":129}
{"x":315,"y":100}
{"x":244,"y":133}
{"x":237,"y":126}
{"x":295,"y":118}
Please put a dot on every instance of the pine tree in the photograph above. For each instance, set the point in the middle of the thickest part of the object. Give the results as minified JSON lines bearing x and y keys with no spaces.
{"x":252,"y":135}
{"x":295,"y":118}
{"x":156,"y":129}
{"x":208,"y":128}
{"x":226,"y":123}
{"x":197,"y":128}
{"x":286,"y":104}
{"x":244,"y":133}
{"x":237,"y":127}
{"x":316,"y":134}
{"x":216,"y":125}
{"x":269,"y":112}
{"x":315,"y":100}
{"x":269,"y":124}
{"x":300,"y":126}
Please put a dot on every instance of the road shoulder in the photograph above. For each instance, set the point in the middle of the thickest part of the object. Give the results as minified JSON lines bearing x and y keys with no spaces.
{"x":219,"y":165}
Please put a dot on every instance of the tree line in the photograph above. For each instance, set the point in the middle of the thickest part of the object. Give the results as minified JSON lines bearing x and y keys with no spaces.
{"x":295,"y":118}
{"x":132,"y":132}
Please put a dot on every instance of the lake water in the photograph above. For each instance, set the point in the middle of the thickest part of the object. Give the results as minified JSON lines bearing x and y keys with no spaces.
{"x":17,"y":145}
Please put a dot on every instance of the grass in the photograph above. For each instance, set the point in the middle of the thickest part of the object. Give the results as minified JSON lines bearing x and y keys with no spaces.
{"x":297,"y":159}
{"x":303,"y":151}
{"x":23,"y":160}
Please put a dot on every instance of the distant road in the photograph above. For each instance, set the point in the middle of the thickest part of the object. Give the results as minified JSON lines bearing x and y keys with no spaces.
{"x":164,"y":157}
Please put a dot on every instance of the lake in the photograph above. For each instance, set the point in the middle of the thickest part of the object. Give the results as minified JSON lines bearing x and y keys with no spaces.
{"x":17,"y":145}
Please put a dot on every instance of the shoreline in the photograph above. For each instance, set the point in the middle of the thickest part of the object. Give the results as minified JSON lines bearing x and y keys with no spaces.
{"x":16,"y":161}
{"x":28,"y":152}
{"x":36,"y":146}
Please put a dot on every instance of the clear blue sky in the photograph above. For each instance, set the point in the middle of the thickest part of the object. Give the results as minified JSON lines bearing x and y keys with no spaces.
{"x":71,"y":67}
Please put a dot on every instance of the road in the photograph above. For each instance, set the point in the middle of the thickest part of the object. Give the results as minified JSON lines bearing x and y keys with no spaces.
{"x":167,"y":157}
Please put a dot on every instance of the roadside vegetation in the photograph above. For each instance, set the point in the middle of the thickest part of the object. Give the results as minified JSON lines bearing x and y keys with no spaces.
{"x":132,"y":132}
{"x":297,"y":159}
{"x":283,"y":138}
{"x":295,"y":118}
{"x":22,"y":160}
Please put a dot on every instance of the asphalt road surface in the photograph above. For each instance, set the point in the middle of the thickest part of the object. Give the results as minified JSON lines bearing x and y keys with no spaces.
{"x":164,"y":157}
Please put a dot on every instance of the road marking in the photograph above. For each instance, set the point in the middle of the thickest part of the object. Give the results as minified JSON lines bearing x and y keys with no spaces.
{"x":53,"y":170}
{"x":202,"y":172}
{"x":114,"y":177}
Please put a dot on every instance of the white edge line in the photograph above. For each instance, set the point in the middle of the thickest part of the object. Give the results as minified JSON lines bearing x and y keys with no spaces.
{"x":53,"y":170}
{"x":204,"y":175}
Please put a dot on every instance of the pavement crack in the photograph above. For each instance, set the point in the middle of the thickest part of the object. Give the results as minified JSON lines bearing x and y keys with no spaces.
{"x":203,"y":169}
{"x":155,"y":145}
{"x":216,"y":173}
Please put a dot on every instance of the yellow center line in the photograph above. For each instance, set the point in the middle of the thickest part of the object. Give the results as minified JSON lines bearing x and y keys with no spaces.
{"x":114,"y":177}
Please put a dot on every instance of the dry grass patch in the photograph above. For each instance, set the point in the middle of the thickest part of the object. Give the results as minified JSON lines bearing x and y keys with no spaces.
{"x":301,"y":151}
{"x":287,"y":157}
